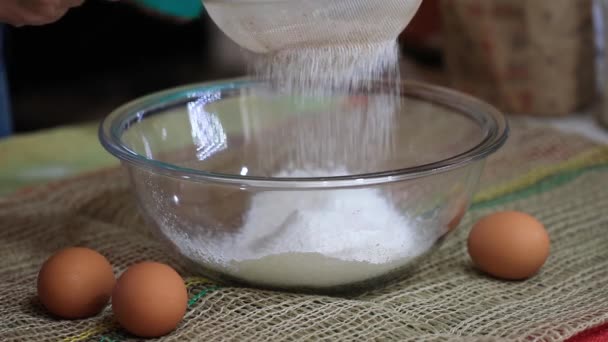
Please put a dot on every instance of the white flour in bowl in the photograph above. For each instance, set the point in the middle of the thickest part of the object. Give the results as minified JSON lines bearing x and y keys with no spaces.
{"x":317,"y":238}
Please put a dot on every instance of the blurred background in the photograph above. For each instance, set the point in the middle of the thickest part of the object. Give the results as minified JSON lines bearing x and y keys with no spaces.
{"x":106,"y":53}
{"x":542,"y":60}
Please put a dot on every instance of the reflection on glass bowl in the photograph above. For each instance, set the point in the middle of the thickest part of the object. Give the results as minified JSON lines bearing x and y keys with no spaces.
{"x":259,"y":188}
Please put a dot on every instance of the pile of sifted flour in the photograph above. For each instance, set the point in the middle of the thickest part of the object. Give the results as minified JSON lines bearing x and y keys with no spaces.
{"x":351,"y":225}
{"x":317,"y":238}
{"x":323,"y":238}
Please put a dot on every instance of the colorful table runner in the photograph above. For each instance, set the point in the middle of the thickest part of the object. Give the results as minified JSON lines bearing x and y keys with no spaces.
{"x":561,"y":179}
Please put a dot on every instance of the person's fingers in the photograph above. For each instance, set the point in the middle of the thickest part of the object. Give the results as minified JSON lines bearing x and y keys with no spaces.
{"x":53,"y":11}
{"x":40,"y":12}
{"x":15,"y":21}
{"x":47,"y":18}
{"x":73,"y":3}
{"x":46,"y":12}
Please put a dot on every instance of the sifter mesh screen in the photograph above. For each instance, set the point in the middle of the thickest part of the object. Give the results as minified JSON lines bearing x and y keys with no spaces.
{"x":265,"y":26}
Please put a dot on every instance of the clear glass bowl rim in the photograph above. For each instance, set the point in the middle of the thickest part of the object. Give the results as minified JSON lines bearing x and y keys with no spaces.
{"x":490,"y":119}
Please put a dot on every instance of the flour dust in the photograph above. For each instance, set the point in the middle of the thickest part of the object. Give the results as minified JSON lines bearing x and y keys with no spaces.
{"x":318,"y":237}
{"x":360,"y":82}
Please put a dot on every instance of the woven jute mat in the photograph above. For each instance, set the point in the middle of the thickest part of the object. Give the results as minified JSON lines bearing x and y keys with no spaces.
{"x":561,"y":179}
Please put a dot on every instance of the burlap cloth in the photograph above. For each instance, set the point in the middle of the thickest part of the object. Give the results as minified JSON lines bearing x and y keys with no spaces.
{"x":561,"y":179}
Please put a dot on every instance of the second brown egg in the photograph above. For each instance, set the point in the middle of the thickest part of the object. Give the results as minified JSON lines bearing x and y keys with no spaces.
{"x":150,"y":299}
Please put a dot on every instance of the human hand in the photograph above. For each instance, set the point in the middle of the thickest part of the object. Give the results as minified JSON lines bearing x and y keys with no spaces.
{"x":34,"y":12}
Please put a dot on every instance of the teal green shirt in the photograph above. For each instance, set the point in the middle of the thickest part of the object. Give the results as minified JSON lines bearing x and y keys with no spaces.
{"x":185,"y":9}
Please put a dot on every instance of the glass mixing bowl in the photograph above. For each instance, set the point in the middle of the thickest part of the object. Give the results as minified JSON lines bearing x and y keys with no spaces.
{"x":333,"y":194}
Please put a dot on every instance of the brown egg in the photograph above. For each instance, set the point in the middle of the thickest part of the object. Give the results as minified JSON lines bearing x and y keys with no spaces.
{"x":509,"y":245}
{"x":150,"y":299}
{"x":75,"y":283}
